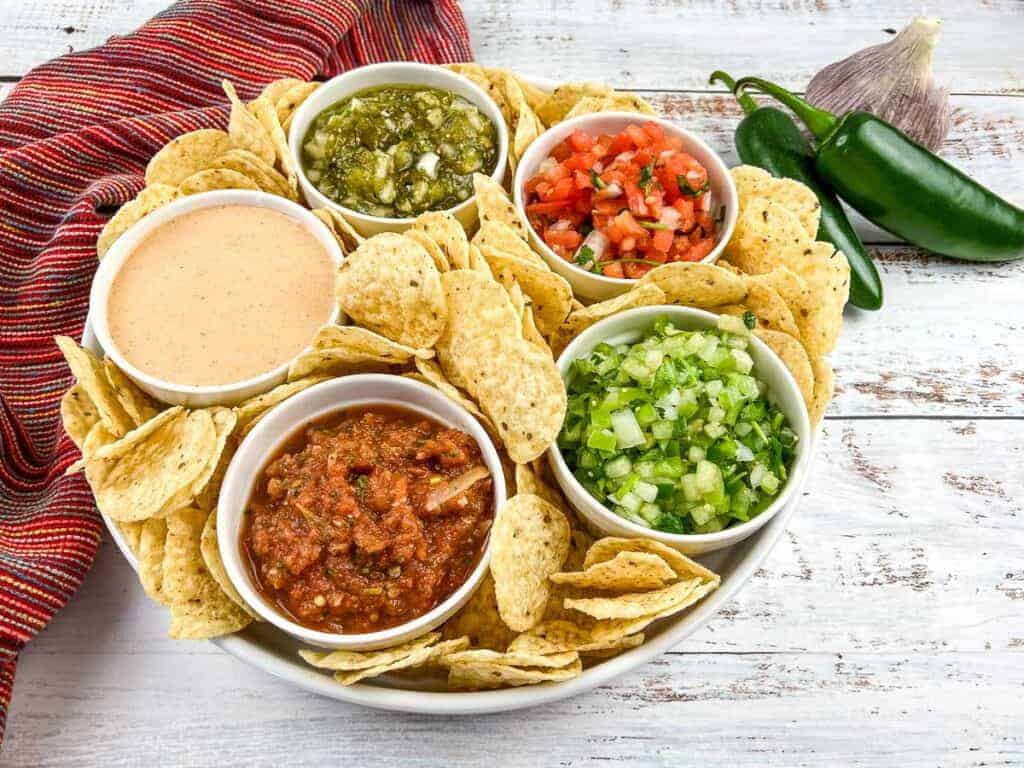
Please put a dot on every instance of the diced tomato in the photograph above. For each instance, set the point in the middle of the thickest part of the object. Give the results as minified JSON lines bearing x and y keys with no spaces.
{"x":567,"y":238}
{"x":662,"y":240}
{"x":655,"y":185}
{"x":581,"y":141}
{"x":612,"y":269}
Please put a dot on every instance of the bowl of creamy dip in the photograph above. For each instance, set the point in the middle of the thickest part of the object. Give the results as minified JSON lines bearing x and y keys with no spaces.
{"x":207,"y":300}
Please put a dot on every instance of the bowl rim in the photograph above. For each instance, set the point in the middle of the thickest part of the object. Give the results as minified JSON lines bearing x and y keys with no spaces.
{"x":126,"y":244}
{"x":731,"y":534}
{"x":266,"y":439}
{"x":529,"y":160}
{"x":305,"y":115}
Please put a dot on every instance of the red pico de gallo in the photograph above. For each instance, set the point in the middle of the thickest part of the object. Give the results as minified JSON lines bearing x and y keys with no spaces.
{"x":622,"y":204}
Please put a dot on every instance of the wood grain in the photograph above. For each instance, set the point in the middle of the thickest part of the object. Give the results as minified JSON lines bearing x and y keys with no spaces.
{"x":651,"y":44}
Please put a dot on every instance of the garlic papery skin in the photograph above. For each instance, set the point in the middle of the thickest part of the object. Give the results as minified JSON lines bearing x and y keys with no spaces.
{"x":892,"y":81}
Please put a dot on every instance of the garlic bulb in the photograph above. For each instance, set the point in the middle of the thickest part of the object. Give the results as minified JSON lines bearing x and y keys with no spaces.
{"x":892,"y":81}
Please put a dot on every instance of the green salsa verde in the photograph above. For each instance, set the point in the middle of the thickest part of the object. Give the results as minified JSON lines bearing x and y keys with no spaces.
{"x":399,"y":150}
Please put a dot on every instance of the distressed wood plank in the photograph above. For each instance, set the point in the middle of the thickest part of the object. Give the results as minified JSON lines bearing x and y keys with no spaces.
{"x":890,"y":603}
{"x":663,"y":44}
{"x":748,"y":710}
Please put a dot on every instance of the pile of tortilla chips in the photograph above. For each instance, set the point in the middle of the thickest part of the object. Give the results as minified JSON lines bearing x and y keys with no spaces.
{"x":251,"y":154}
{"x":772,"y":267}
{"x":481,"y":319}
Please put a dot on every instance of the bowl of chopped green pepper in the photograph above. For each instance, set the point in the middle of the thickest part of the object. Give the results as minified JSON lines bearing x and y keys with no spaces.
{"x":386,"y":143}
{"x":681,"y":426}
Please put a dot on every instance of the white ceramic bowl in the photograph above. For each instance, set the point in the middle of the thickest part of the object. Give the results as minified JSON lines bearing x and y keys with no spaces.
{"x":390,"y":73}
{"x":630,"y":326}
{"x":181,"y":394}
{"x":263,"y":443}
{"x":587,"y":286}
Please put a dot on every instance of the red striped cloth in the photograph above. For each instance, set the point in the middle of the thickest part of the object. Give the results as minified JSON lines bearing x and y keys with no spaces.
{"x":75,"y":136}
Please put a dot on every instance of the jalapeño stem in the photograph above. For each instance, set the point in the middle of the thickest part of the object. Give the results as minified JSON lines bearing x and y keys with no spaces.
{"x":818,"y":121}
{"x":745,"y":99}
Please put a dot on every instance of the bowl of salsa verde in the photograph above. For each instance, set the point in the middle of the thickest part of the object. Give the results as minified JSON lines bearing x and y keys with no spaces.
{"x":388,"y":142}
{"x":358,"y":514}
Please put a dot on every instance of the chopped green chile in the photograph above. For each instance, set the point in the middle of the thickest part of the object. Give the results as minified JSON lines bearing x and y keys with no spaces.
{"x":675,"y":432}
{"x":399,"y":150}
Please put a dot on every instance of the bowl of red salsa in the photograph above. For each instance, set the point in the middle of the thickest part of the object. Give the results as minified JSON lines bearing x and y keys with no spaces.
{"x":610,"y":196}
{"x":357,"y":514}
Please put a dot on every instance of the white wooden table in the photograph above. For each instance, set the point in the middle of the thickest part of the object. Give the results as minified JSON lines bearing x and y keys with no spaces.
{"x":886,"y":629}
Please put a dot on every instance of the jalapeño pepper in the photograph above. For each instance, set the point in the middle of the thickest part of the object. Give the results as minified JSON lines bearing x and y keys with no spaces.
{"x":902,"y":187}
{"x":769,"y":138}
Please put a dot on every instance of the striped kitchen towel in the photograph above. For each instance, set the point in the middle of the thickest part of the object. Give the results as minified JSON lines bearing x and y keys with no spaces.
{"x":75,"y":136}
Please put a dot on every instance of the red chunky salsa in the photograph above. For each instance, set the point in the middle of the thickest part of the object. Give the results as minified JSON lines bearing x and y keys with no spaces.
{"x":367,"y":519}
{"x":621,"y":205}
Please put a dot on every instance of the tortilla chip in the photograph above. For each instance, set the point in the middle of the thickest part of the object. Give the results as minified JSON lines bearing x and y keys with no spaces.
{"x":502,"y":237}
{"x":136,"y":403}
{"x":493,"y":204}
{"x":273,"y":90}
{"x":266,"y":113}
{"x":418,"y":658}
{"x":767,"y":235}
{"x":250,"y":411}
{"x":431,"y":247}
{"x":185,"y":155}
{"x":490,"y":80}
{"x":160,"y":467}
{"x":510,"y":659}
{"x":209,"y":547}
{"x":88,"y":370}
{"x":267,"y":178}
{"x":132,"y":212}
{"x":348,"y":661}
{"x":561,"y":100}
{"x":798,"y":198}
{"x":390,"y":285}
{"x":212,"y":614}
{"x":529,"y":542}
{"x":132,"y":535}
{"x":638,"y":604}
{"x":628,"y":102}
{"x":519,"y":388}
{"x":641,"y":295}
{"x":627,"y":571}
{"x":480,"y":621}
{"x":245,"y":130}
{"x":550,"y":293}
{"x":527,"y":125}
{"x":827,"y":274}
{"x":224,"y":423}
{"x":771,"y":311}
{"x":216,"y":178}
{"x":473,"y":676}
{"x":824,"y":387}
{"x":561,"y":635}
{"x":610,"y":546}
{"x":794,"y":357}
{"x":184,"y":570}
{"x":78,"y":413}
{"x":340,"y":227}
{"x":445,"y":230}
{"x":695,"y":284}
{"x":291,"y":100}
{"x":152,"y":539}
{"x":483,"y":309}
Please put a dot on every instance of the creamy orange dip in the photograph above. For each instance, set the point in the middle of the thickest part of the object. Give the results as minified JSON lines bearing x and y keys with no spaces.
{"x":220,"y":295}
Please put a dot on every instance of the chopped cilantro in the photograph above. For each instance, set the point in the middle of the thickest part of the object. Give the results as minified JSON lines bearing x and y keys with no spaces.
{"x":596,"y":180}
{"x":585,"y":258}
{"x":749,"y":320}
{"x":646,"y":174}
{"x":686,"y":189}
